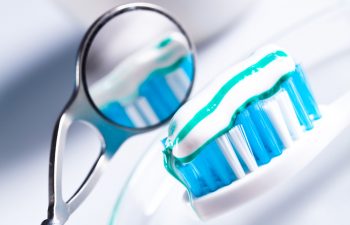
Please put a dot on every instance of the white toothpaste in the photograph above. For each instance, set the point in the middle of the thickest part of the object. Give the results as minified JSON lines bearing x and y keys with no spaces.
{"x":123,"y":82}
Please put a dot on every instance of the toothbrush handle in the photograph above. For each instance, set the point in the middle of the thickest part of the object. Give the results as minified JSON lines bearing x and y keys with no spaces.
{"x":341,"y":109}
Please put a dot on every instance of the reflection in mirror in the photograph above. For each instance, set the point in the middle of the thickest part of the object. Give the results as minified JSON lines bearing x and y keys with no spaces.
{"x":139,"y":69}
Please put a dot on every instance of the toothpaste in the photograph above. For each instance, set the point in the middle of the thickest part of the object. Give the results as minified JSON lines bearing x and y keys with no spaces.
{"x":123,"y":82}
{"x":213,"y":111}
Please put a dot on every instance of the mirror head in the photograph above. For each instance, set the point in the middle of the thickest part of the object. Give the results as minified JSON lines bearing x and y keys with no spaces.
{"x":137,"y":66}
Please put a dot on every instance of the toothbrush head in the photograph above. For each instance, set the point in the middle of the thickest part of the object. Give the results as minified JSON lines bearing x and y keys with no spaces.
{"x":245,"y":120}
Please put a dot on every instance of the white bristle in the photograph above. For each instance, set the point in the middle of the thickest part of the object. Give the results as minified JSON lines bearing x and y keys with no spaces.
{"x":274,"y":113}
{"x":147,"y":110}
{"x":230,"y":156}
{"x":289,"y":115}
{"x":176,"y":86}
{"x":240,"y":144}
{"x":182,"y":78}
{"x":134,"y":116}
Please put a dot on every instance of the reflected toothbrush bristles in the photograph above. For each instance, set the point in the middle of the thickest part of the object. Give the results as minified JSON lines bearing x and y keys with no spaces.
{"x":154,"y":72}
{"x":146,"y":110}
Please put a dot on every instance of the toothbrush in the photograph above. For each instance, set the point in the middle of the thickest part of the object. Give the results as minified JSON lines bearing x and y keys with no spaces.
{"x":162,"y":69}
{"x":254,"y":126}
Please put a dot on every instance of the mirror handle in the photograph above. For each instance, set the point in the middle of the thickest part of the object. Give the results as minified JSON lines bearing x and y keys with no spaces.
{"x":59,"y":210}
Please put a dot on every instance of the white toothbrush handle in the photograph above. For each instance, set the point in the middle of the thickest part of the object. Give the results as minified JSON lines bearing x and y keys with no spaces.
{"x":342,"y":109}
{"x":335,"y":118}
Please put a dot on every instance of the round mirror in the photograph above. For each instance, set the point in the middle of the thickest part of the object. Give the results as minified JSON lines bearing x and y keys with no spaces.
{"x":139,"y":67}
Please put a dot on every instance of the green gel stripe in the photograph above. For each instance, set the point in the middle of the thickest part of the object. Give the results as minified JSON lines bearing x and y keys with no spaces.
{"x":167,"y":70}
{"x":164,"y":42}
{"x":272,"y":91}
{"x":170,"y":161}
{"x":164,"y":71}
{"x":216,"y":100}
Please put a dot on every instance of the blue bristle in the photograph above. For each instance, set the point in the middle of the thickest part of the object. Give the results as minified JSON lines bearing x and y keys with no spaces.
{"x":152,"y":98}
{"x":192,"y":180}
{"x":209,"y":170}
{"x":203,"y":167}
{"x":159,"y":96}
{"x":267,"y":132}
{"x":253,"y":137}
{"x":164,"y":94}
{"x":116,"y":112}
{"x":305,"y":93}
{"x":143,"y":116}
{"x":298,"y":105}
{"x":187,"y":66}
{"x":241,"y":161}
{"x":222,"y":169}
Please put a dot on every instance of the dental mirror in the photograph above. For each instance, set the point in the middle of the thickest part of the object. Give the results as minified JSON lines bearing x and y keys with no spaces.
{"x":135,"y":68}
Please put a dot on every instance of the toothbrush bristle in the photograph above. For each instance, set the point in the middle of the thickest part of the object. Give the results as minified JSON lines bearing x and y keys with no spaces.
{"x":158,"y":96}
{"x":261,"y":132}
